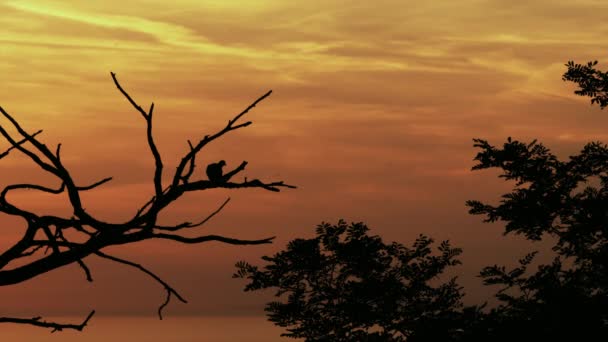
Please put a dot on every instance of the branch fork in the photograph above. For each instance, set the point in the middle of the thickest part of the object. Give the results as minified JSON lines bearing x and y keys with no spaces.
{"x":52,"y":249}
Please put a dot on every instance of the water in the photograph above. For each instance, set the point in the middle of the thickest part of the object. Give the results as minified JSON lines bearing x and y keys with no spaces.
{"x":150,"y":329}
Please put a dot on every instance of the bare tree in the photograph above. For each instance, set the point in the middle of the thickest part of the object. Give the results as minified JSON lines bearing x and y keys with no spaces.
{"x":44,"y":246}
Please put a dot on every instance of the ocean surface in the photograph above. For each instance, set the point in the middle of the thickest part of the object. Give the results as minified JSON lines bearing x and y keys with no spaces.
{"x":172,"y":328}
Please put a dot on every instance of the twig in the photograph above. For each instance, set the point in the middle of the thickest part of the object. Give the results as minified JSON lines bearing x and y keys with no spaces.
{"x":5,"y":153}
{"x":37,"y":321}
{"x":158,"y":169}
{"x":169,"y":289}
{"x":207,"y":238}
{"x":192,"y":225}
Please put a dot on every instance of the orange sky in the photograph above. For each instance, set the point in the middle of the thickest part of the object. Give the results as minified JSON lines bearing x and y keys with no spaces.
{"x":372,"y":115}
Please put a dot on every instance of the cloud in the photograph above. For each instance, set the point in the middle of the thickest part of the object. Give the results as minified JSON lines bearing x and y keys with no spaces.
{"x":373,"y":111}
{"x":169,"y":34}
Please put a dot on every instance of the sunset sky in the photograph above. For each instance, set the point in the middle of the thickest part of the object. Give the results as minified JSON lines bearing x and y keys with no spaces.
{"x":372,"y":116}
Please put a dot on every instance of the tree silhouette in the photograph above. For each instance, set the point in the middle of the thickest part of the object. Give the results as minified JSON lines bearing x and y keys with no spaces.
{"x":44,"y":246}
{"x":566,"y":299}
{"x":591,"y":82}
{"x":344,"y":285}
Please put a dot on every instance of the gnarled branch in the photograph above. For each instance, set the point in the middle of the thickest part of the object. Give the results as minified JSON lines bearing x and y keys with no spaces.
{"x":46,"y":232}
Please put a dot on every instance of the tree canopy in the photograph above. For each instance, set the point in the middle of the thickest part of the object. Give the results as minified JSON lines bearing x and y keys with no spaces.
{"x":551,"y":200}
{"x":345,"y":285}
{"x":591,"y":81}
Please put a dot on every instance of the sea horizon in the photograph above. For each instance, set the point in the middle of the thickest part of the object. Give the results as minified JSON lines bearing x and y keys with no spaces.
{"x":176,"y":328}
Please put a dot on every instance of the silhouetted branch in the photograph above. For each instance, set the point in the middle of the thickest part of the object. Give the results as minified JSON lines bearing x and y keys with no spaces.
{"x":32,"y":187}
{"x":207,"y":139}
{"x":591,"y":81}
{"x":191,"y":165}
{"x":158,"y":170}
{"x":192,"y":225}
{"x":16,"y":145}
{"x":207,"y":238}
{"x":94,"y":185}
{"x":148,"y":203}
{"x":255,"y":183}
{"x":169,"y":289}
{"x":91,"y":235}
{"x":5,"y":153}
{"x":86,"y":270}
{"x":29,"y":253}
{"x":128,"y":97}
{"x":240,"y":168}
{"x":37,"y":321}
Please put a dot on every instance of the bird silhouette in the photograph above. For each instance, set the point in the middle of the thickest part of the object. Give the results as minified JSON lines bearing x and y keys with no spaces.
{"x":215,"y":173}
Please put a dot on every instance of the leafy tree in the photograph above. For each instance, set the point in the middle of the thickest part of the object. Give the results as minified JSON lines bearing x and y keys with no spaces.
{"x":355,"y":288}
{"x":344,"y":285}
{"x":44,"y":246}
{"x":591,"y":82}
{"x":566,"y":299}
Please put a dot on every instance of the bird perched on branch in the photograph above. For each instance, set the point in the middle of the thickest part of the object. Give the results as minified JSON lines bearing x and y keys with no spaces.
{"x":215,"y":172}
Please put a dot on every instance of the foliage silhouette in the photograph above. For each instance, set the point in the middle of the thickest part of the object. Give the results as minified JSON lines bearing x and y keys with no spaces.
{"x":566,"y":299}
{"x":355,"y":288}
{"x":592,"y":82}
{"x":44,"y":246}
{"x":344,"y":285}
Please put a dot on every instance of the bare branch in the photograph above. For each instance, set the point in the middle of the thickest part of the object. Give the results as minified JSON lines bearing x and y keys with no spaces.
{"x":158,"y":169}
{"x":207,"y":139}
{"x":37,"y":321}
{"x":274,"y":186}
{"x":51,"y":238}
{"x":5,"y":153}
{"x":34,"y":157}
{"x":148,"y":203}
{"x":83,"y":266}
{"x":94,"y":185}
{"x":86,"y":270}
{"x":32,"y":187}
{"x":169,"y":289}
{"x":240,"y":168}
{"x":249,"y":108}
{"x":192,"y":225}
{"x":133,"y":103}
{"x":255,"y":183}
{"x":47,"y":231}
{"x":57,"y":151}
{"x":39,"y":146}
{"x":206,"y":238}
{"x":30,"y":253}
{"x":191,"y":166}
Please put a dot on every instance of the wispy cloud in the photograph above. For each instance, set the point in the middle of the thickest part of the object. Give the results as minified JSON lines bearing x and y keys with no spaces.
{"x":165,"y":33}
{"x":374,"y":108}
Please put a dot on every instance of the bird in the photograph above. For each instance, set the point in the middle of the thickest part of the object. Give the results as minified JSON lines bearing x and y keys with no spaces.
{"x":215,"y":173}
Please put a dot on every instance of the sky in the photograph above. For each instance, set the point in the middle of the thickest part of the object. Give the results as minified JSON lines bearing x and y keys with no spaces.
{"x":372,"y":115}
